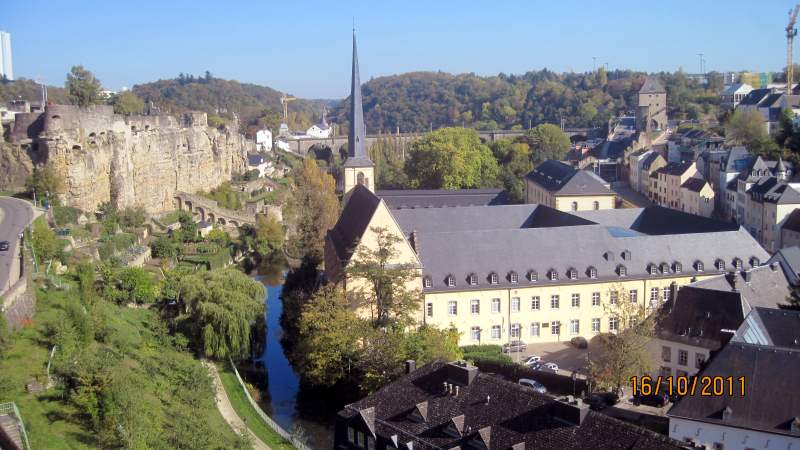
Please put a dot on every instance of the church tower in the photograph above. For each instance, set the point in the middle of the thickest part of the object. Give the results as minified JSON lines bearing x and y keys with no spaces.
{"x":358,"y":168}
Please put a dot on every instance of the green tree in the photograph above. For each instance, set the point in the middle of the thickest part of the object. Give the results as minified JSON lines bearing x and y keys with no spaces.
{"x":385,"y":293}
{"x":786,"y":133}
{"x":269,"y":235}
{"x":127,"y":103}
{"x":82,"y":87}
{"x":311,"y":212}
{"x":132,"y":217}
{"x":547,"y":141}
{"x":44,"y":182}
{"x":137,"y":286}
{"x":163,"y":247}
{"x":45,"y":243}
{"x":451,"y":158}
{"x":515,"y":163}
{"x":748,"y":128}
{"x":219,"y":309}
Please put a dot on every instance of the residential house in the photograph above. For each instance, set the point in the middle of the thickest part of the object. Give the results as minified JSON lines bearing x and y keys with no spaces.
{"x":790,"y":230}
{"x":257,"y":161}
{"x":733,"y":94}
{"x":770,"y":103}
{"x":667,"y":185}
{"x":757,"y":168}
{"x":759,"y":407}
{"x":264,"y":140}
{"x":561,"y":186}
{"x":454,"y":406}
{"x":320,"y":130}
{"x":770,"y":201}
{"x":697,"y":197}
{"x":789,"y":260}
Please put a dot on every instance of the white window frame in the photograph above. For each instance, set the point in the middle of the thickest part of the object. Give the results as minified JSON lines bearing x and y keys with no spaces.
{"x":573,"y":274}
{"x":592,"y":272}
{"x":496,"y":308}
{"x":574,"y":327}
{"x":515,"y":304}
{"x":555,"y":300}
{"x":552,"y":275}
{"x":493,"y":335}
{"x":473,"y":280}
{"x":666,"y":292}
{"x":613,"y":297}
{"x":452,"y":308}
{"x":514,"y":277}
{"x":595,"y":325}
{"x":613,"y":324}
{"x":634,"y":295}
{"x":451,"y":281}
{"x":555,"y":327}
{"x":654,"y":293}
{"x":536,"y":303}
{"x":472,"y":334}
{"x":595,"y":299}
{"x":426,"y":282}
{"x":475,"y":306}
{"x":575,"y":300}
{"x":535,"y":329}
{"x":493,"y":278}
{"x":516,"y":331}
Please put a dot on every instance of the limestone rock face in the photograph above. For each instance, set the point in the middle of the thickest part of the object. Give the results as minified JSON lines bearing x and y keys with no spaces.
{"x":136,"y":160}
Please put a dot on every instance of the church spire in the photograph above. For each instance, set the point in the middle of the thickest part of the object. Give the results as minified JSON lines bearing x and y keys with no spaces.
{"x":356,"y":140}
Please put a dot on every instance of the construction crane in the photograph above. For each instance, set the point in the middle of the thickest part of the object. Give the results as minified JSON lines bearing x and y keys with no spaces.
{"x":791,"y":32}
{"x":285,"y":99}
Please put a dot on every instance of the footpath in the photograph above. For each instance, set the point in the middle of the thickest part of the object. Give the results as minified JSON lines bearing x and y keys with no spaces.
{"x":226,"y":409}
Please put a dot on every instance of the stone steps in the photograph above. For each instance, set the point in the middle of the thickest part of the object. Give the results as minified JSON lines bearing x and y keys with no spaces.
{"x":10,"y":427}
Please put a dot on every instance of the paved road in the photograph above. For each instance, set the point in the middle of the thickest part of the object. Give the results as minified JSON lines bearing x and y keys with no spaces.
{"x":15,"y":215}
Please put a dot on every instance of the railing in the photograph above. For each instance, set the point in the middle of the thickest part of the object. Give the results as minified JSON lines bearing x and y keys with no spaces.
{"x":11,"y":408}
{"x":267,"y":419}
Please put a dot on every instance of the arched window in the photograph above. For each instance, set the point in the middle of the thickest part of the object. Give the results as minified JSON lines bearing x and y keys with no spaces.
{"x":596,"y":204}
{"x":574,"y":206}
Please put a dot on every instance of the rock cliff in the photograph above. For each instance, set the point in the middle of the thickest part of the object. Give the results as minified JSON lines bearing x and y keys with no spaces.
{"x":127,"y":160}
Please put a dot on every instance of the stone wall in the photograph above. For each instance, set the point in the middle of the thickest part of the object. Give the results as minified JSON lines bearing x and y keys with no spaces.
{"x":129,"y":160}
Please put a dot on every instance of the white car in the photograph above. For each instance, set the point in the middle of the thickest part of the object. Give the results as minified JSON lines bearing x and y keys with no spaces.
{"x":532,"y":360}
{"x":552,"y":366}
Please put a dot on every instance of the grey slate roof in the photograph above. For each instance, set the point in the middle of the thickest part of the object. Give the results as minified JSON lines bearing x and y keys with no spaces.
{"x":652,"y":86}
{"x":440,"y":198}
{"x":358,"y":211}
{"x":771,"y":400}
{"x":771,"y":327}
{"x":649,"y":160}
{"x":254,"y":159}
{"x":755,"y":97}
{"x":789,"y":260}
{"x":698,"y":317}
{"x":694,"y":184}
{"x":357,"y":138}
{"x":766,"y":287}
{"x":792,"y":222}
{"x":515,"y":417}
{"x":737,"y":159}
{"x":563,"y":179}
{"x":676,"y":168}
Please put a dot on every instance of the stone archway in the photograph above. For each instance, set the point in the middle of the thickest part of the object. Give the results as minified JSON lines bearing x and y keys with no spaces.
{"x":202,"y":211}
{"x":222,"y":221}
{"x":178,"y":203}
{"x":212,"y":218}
{"x":234,"y":223}
{"x":189,"y":206}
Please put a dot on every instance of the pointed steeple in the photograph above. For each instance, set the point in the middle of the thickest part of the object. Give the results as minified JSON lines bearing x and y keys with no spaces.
{"x":356,"y":140}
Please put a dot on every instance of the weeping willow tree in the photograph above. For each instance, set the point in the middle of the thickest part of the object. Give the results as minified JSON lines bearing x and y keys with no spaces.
{"x":219,"y":310}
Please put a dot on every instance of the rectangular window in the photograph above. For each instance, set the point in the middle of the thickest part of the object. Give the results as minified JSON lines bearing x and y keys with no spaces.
{"x":666,"y":292}
{"x":370,"y":443}
{"x":576,"y":300}
{"x":653,"y":296}
{"x":666,"y":353}
{"x":554,"y":302}
{"x":351,"y":435}
{"x":683,"y":357}
{"x":515,"y":330}
{"x":359,"y":439}
{"x":429,"y":309}
{"x":595,"y":299}
{"x":535,"y":329}
{"x":634,"y":295}
{"x":699,"y":360}
{"x":514,"y":277}
{"x":475,"y":334}
{"x":555,"y":327}
{"x":613,"y":297}
{"x":535,"y":303}
{"x":595,"y":325}
{"x":452,"y":308}
{"x":613,"y":324}
{"x":495,"y":331}
{"x":475,"y":306}
{"x":495,"y":305}
{"x":574,"y":326}
{"x":514,"y":304}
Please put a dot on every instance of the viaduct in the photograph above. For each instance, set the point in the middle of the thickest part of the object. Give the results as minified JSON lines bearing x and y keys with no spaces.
{"x":210,"y":211}
{"x":301,"y":146}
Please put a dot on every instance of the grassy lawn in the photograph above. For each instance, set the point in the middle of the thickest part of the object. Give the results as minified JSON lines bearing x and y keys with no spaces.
{"x":163,"y":374}
{"x":247,"y":413}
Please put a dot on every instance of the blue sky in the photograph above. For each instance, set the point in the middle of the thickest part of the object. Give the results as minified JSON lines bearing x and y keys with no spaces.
{"x":304,"y":47}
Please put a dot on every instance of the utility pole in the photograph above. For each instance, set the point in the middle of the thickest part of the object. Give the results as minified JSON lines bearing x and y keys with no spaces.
{"x":594,"y":63}
{"x":701,"y":62}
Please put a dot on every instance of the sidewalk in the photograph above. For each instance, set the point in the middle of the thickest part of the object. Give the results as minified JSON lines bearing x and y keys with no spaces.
{"x":225,"y":408}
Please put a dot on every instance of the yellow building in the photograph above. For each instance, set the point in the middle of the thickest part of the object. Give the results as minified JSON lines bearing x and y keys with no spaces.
{"x":562,"y":187}
{"x":697,"y":197}
{"x":530,"y":272}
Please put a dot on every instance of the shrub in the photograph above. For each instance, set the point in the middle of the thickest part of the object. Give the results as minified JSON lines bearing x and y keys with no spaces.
{"x":65,"y":214}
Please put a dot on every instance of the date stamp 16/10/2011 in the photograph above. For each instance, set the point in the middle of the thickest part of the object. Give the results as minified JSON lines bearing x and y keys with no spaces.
{"x":704,"y":386}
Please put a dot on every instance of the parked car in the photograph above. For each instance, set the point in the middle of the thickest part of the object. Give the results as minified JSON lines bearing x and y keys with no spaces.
{"x":543,"y":368}
{"x":657,"y":400}
{"x":601,"y":400}
{"x":579,"y":342}
{"x":552,"y":366}
{"x":3,"y":246}
{"x":532,"y":360}
{"x":514,"y":346}
{"x":533,"y":384}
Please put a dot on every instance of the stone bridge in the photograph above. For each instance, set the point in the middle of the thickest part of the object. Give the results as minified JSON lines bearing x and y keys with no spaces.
{"x":301,"y":146}
{"x":210,"y":211}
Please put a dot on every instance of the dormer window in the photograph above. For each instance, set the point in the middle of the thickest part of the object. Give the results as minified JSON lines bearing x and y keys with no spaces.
{"x":552,"y":275}
{"x":720,"y":264}
{"x":677,"y":267}
{"x":451,"y":281}
{"x":698,"y":266}
{"x":737,"y":263}
{"x":622,"y":270}
{"x":754,"y":261}
{"x":533,"y":276}
{"x":572,"y":274}
{"x":592,"y":272}
{"x":652,"y":269}
{"x":493,"y":279}
{"x":427,"y":282}
{"x":626,"y":255}
{"x":472,"y":279}
{"x":664,"y":268}
{"x":513,"y":277}
{"x":609,"y":256}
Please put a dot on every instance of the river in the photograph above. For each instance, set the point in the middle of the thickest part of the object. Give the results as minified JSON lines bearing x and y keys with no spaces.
{"x":284,"y":398}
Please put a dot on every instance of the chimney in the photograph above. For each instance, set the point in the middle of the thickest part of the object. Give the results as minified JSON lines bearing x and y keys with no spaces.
{"x":461,"y":373}
{"x":774,"y":266}
{"x":456,"y":390}
{"x":569,"y":410}
{"x":411,"y":366}
{"x":727,"y":413}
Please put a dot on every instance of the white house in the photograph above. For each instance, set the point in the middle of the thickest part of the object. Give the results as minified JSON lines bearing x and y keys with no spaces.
{"x":733,"y":94}
{"x":320,"y":130}
{"x":264,"y":140}
{"x":258,"y":162}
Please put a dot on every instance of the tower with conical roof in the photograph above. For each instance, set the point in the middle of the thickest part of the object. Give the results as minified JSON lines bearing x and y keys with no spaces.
{"x":358,"y":168}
